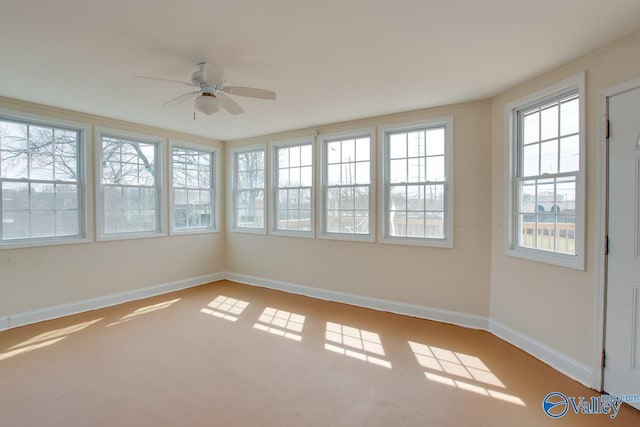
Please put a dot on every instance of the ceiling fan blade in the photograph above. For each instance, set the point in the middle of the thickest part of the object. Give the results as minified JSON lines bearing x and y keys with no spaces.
{"x":180,"y":99}
{"x":166,"y":80}
{"x":229,"y":104}
{"x":251,"y":92}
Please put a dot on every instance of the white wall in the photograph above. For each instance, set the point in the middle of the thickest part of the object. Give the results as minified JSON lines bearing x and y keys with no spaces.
{"x":554,"y":305}
{"x":42,"y":277}
{"x":451,"y":279}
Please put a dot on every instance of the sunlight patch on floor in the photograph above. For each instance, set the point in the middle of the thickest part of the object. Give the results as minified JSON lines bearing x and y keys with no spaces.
{"x":144,"y":310}
{"x":281,"y":323}
{"x":225,"y":308}
{"x":366,"y":343}
{"x":56,"y":333}
{"x":452,"y":366}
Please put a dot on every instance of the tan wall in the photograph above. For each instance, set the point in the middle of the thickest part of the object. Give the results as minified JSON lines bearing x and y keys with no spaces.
{"x":551,"y":304}
{"x":452,"y":279}
{"x":35,"y":278}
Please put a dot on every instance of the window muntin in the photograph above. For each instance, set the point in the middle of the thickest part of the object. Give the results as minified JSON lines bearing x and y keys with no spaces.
{"x":130,"y":185}
{"x":193,"y":189}
{"x":249,"y":189}
{"x":547,"y":175}
{"x":347,"y":185}
{"x":293,"y":188}
{"x":41,"y":182}
{"x":417,"y":183}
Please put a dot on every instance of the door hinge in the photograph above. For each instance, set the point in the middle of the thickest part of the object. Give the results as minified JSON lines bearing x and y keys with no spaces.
{"x":606,"y":244}
{"x":603,"y":358}
{"x":607,"y":129}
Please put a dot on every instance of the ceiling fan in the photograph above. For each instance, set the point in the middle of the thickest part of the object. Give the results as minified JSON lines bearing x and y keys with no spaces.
{"x":211,"y":93}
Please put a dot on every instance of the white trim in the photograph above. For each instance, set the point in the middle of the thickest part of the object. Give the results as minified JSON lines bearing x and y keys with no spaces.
{"x":449,"y":213}
{"x":161,"y":159}
{"x":231,"y":185}
{"x":577,"y":261}
{"x":34,"y":316}
{"x":273,"y":146}
{"x":557,"y":360}
{"x":217,"y":180}
{"x":602,"y":168}
{"x":86,"y":182}
{"x":446,"y":316}
{"x":322,"y":180}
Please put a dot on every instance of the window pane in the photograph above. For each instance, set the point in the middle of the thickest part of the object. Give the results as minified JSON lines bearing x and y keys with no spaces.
{"x":435,"y":168}
{"x":434,"y":225}
{"x":530,"y":160}
{"x":545,"y":236}
{"x":363,"y":148}
{"x":333,"y":152}
{"x":43,"y":223}
{"x":434,"y":197}
{"x":549,"y":157}
{"x":570,"y":154}
{"x":528,"y":196}
{"x":531,"y":127}
{"x":42,"y":196}
{"x":348,"y":151}
{"x":569,"y":117}
{"x":363,"y":173}
{"x":415,"y":224}
{"x":416,"y":172}
{"x":416,"y":144}
{"x":435,"y":141}
{"x":415,"y":198}
{"x":549,"y":123}
{"x":566,"y":239}
{"x":398,"y":198}
{"x":398,"y":170}
{"x":398,"y":145}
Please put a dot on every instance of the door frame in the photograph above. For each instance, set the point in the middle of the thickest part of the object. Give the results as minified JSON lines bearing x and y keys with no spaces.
{"x":602,"y":218}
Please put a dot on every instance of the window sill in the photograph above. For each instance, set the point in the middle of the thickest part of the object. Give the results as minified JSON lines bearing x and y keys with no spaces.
{"x":416,"y":241}
{"x":34,"y":243}
{"x":128,"y":236}
{"x":574,"y":262}
{"x":362,"y":238}
{"x":186,"y":232}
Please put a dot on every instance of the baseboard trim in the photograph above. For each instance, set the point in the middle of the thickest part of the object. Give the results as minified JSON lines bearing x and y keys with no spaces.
{"x":429,"y":313}
{"x":557,"y":360}
{"x":34,"y":316}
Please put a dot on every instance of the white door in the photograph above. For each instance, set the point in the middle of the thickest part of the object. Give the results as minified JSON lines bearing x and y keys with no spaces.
{"x":622,"y":360}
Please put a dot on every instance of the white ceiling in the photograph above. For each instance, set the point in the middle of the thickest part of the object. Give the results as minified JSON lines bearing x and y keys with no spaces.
{"x":328,"y":60}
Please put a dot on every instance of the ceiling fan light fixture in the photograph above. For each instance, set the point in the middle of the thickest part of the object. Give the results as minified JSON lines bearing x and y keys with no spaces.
{"x":207,"y":104}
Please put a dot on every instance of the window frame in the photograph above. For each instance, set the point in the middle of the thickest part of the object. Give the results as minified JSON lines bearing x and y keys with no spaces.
{"x":323,"y":141}
{"x":85,"y":215}
{"x":215,"y":183}
{"x":383,"y":202}
{"x":161,"y":204}
{"x":232,"y":177}
{"x":273,"y":148}
{"x":574,"y":84}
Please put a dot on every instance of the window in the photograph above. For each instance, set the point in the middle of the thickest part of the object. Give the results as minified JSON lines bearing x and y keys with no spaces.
{"x":42,"y":181}
{"x":347,"y":195}
{"x":249,"y":190}
{"x":418,"y":175}
{"x":193,"y":182}
{"x":293,"y":189}
{"x":130,"y":187}
{"x":547,"y":183}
